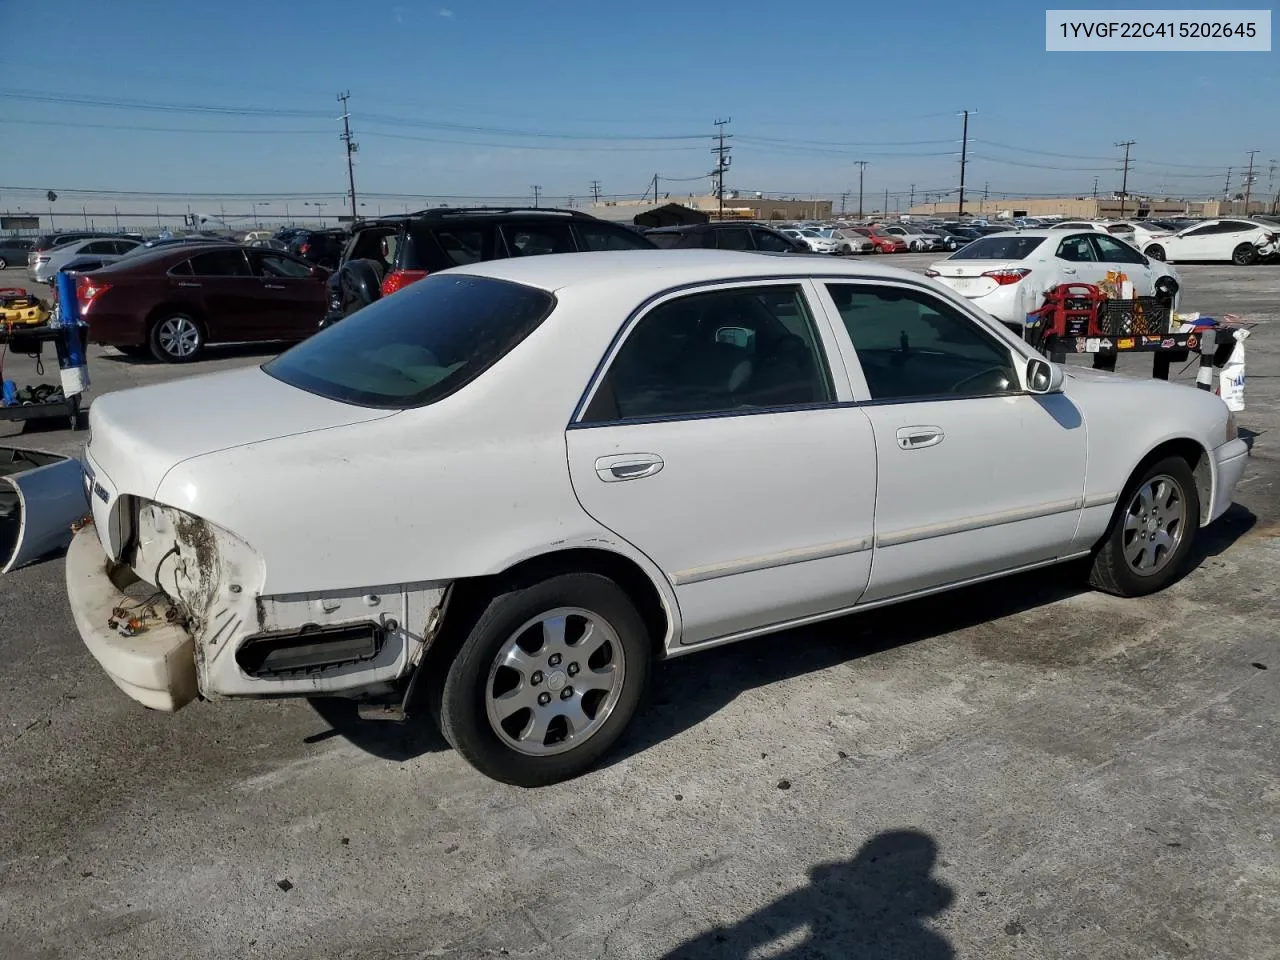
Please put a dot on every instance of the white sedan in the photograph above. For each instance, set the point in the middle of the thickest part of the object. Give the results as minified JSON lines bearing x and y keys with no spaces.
{"x":814,"y":240}
{"x":1008,"y":274}
{"x":1235,"y":241}
{"x":495,"y":497}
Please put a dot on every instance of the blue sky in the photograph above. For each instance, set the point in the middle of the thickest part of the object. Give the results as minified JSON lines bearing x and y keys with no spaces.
{"x":483,"y":98}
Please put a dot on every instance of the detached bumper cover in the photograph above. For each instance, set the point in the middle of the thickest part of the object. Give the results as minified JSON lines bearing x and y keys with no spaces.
{"x":157,"y":667}
{"x":1231,"y":459}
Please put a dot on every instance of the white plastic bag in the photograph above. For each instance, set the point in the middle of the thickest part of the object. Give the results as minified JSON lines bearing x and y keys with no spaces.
{"x":1231,"y":380}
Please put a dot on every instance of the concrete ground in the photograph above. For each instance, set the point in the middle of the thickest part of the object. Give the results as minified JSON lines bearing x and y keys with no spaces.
{"x":1018,"y":770}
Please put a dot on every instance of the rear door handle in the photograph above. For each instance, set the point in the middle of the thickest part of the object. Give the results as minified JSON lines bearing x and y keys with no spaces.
{"x":274,"y":286}
{"x":1069,"y":271}
{"x":184,"y":283}
{"x":917,"y":438}
{"x":628,"y":466}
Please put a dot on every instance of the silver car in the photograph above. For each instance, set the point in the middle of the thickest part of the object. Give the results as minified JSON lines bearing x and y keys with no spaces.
{"x":44,"y":266}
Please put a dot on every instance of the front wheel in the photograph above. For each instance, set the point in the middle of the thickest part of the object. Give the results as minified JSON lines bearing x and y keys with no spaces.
{"x":1244,"y":255}
{"x":1155,"y":252}
{"x":547,"y":679}
{"x":1152,"y":532}
{"x":176,"y":338}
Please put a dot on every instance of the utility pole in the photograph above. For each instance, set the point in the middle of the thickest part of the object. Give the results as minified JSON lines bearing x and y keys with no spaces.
{"x":352,"y":147}
{"x":1124,"y":183}
{"x":537,"y":192}
{"x":844,"y":199}
{"x":886,"y":202}
{"x":722,"y":160}
{"x":595,"y":191}
{"x":1226,"y":187}
{"x":912,"y":202}
{"x":117,"y":209}
{"x":1095,"y":189}
{"x":964,"y":159}
{"x":655,"y":188}
{"x":986,"y":189}
{"x":862,"y":168}
{"x":1248,"y":183}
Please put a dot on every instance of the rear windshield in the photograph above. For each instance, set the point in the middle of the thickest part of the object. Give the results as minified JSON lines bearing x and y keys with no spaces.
{"x":998,"y":248}
{"x":418,"y":346}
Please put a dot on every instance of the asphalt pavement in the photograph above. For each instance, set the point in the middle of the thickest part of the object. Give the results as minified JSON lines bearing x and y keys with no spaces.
{"x":1020,"y":770}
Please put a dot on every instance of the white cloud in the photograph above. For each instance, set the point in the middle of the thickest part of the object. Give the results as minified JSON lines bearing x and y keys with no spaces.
{"x":446,"y":13}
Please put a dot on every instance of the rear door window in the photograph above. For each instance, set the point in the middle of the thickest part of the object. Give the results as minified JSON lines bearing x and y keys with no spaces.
{"x":1113,"y":251}
{"x":274,"y":265}
{"x":462,"y":245}
{"x":734,"y":238}
{"x":769,"y":241}
{"x":1077,"y":249}
{"x":536,"y":239}
{"x":220,"y":263}
{"x":604,"y":236}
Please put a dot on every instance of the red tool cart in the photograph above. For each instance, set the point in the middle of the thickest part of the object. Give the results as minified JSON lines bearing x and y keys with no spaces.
{"x":1081,"y":318}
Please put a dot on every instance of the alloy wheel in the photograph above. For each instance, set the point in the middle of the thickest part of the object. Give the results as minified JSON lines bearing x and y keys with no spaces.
{"x":1154,"y":524}
{"x":179,"y":336}
{"x":555,"y":681}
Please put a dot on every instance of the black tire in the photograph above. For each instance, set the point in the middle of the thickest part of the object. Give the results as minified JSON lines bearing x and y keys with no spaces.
{"x":1244,"y":255}
{"x":1112,"y":571}
{"x":165,"y":332}
{"x":1155,"y":252}
{"x":461,"y":702}
{"x":4,"y":264}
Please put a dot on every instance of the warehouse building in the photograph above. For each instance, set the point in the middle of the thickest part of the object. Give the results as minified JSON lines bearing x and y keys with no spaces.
{"x":1091,"y":208}
{"x":736,"y":206}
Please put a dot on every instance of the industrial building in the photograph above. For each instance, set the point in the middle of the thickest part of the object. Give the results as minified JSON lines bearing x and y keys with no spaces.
{"x":736,"y":206}
{"x":1091,"y":208}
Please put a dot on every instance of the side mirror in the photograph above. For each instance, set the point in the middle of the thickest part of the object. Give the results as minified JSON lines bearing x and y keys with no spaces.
{"x":1044,"y":377}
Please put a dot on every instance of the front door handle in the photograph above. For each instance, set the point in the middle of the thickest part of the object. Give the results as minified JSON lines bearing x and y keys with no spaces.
{"x":1069,"y":271}
{"x":917,"y":438}
{"x":628,"y":466}
{"x":184,"y":283}
{"x":274,"y":286}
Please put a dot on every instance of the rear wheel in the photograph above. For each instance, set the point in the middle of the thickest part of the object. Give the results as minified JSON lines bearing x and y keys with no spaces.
{"x":1244,"y":255}
{"x":176,"y":338}
{"x":1155,"y":252}
{"x":1152,"y":532}
{"x":547,"y":679}
{"x":4,"y":264}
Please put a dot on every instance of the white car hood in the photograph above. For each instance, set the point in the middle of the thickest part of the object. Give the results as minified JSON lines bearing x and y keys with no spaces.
{"x":137,"y":436}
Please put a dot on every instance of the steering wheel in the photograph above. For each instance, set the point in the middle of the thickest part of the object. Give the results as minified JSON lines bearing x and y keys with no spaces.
{"x":981,"y":373}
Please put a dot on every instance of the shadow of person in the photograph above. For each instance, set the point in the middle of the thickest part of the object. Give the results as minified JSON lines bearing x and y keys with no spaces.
{"x":872,"y":907}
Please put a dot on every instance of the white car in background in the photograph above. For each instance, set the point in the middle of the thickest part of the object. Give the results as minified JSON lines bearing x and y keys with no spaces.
{"x":847,"y":241}
{"x":1137,"y":233}
{"x":814,"y":240}
{"x":918,"y":240}
{"x":45,"y":265}
{"x":1234,"y":241}
{"x":541,"y":448}
{"x":1008,"y":274}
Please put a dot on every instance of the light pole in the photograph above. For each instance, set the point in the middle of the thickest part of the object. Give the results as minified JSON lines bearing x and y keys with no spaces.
{"x":256,"y":204}
{"x":319,"y":206}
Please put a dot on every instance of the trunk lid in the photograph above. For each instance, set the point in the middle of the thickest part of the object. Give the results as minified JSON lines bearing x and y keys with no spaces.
{"x":966,"y":278}
{"x":139,"y":435}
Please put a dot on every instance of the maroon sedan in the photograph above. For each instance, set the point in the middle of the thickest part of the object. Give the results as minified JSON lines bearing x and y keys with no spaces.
{"x":173,"y":301}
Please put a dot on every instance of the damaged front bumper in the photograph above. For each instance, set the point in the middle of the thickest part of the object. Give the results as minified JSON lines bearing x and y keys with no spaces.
{"x":157,"y":664}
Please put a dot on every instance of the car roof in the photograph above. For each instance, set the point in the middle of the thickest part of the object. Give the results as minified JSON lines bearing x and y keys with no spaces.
{"x":668,"y":268}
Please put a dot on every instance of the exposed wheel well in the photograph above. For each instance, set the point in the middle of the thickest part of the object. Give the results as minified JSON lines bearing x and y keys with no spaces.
{"x":470,"y":596}
{"x":1197,"y":459}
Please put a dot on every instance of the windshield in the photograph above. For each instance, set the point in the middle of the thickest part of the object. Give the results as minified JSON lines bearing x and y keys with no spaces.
{"x":998,"y":248}
{"x":418,"y":346}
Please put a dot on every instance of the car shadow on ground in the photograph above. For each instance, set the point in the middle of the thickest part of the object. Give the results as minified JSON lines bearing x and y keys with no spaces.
{"x":870,"y":907}
{"x":685,"y":692}
{"x":214,"y":351}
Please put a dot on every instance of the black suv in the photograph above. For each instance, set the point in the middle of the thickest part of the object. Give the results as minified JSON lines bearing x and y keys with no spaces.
{"x":321,"y":247}
{"x":389,"y":253}
{"x":726,"y":235}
